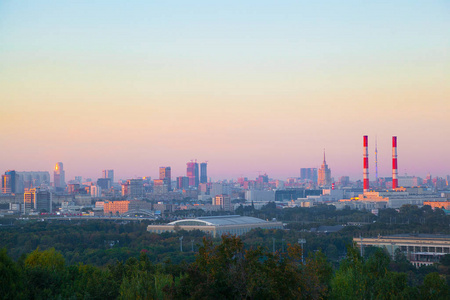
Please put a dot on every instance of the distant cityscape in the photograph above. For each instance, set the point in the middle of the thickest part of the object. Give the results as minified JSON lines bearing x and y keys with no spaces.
{"x":35,"y":192}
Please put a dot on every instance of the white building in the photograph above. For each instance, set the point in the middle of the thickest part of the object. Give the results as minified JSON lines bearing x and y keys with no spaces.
{"x":259,"y":196}
{"x":419,"y":249}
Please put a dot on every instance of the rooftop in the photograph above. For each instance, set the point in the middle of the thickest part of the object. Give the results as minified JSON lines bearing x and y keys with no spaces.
{"x":219,"y":221}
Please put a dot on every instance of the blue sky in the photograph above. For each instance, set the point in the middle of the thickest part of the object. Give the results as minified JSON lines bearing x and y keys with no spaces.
{"x":228,"y":82}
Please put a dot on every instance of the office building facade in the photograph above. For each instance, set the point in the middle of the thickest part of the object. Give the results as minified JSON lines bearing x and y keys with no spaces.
{"x":133,"y":188}
{"x":104,"y":183}
{"x":165,"y":174}
{"x":10,"y":182}
{"x":309,"y":174}
{"x":192,"y":174}
{"x":59,"y":177}
{"x":37,"y":200}
{"x":224,"y":201}
{"x":204,"y":172}
{"x":182,"y":182}
{"x":108,"y":174}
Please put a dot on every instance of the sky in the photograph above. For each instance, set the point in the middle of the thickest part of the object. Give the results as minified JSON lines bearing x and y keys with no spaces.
{"x":249,"y":86}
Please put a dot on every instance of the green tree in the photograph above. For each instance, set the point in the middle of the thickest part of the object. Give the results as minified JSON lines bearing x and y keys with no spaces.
{"x":228,"y":271}
{"x":349,"y":281}
{"x":434,"y":287}
{"x":138,"y":279}
{"x":89,"y":282}
{"x":10,"y":277}
{"x":45,"y":274}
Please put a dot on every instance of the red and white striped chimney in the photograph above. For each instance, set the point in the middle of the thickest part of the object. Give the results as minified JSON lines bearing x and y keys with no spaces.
{"x":366,"y":163}
{"x":394,"y":163}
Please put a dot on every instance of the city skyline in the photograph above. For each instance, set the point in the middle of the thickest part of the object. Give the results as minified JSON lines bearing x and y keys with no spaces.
{"x":249,"y":175}
{"x":249,"y":87}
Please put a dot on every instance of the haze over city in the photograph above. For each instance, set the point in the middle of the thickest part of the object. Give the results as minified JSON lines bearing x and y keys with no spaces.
{"x":249,"y":87}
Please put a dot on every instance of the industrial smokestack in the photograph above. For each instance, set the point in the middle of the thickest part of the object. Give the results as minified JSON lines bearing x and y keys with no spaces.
{"x":394,"y":163}
{"x":366,"y":163}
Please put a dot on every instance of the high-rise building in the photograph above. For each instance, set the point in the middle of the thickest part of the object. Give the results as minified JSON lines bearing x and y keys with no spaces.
{"x":324,"y":174}
{"x":59,"y":177}
{"x":160,"y":186}
{"x":133,"y":188}
{"x":309,"y":174}
{"x":104,"y":183}
{"x":10,"y":182}
{"x":224,"y":201}
{"x":73,"y":188}
{"x":95,"y":191}
{"x":108,"y":174}
{"x":166,"y":176}
{"x":29,"y":180}
{"x":192,"y":173}
{"x":182,"y":182}
{"x":38,"y":200}
{"x":262,"y":179}
{"x":344,"y":181}
{"x":203,"y":172}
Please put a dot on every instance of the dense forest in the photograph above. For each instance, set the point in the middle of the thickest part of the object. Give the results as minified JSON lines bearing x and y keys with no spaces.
{"x":225,"y":270}
{"x":79,"y":259}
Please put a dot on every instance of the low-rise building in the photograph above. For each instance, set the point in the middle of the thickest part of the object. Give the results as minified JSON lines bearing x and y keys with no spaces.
{"x":115,"y":207}
{"x":260,"y":196}
{"x":419,"y":249}
{"x":438,"y":204}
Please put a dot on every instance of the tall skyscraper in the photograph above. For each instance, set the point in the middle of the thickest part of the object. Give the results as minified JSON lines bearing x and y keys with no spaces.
{"x":166,"y":176}
{"x":59,"y":176}
{"x":203,"y":172}
{"x":324,"y":176}
{"x":192,"y":173}
{"x":10,"y":182}
{"x":108,"y":174}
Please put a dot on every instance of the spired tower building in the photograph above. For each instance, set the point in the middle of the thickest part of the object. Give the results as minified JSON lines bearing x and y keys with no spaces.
{"x":324,"y":174}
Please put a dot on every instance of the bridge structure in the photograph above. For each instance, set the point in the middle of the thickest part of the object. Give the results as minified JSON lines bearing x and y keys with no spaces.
{"x":87,"y":218}
{"x":139,"y":213}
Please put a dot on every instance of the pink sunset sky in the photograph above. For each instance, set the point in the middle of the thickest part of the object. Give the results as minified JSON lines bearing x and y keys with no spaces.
{"x":247,"y":87}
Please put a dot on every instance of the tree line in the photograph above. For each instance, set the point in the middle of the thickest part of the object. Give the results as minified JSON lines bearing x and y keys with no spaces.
{"x":224,"y":270}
